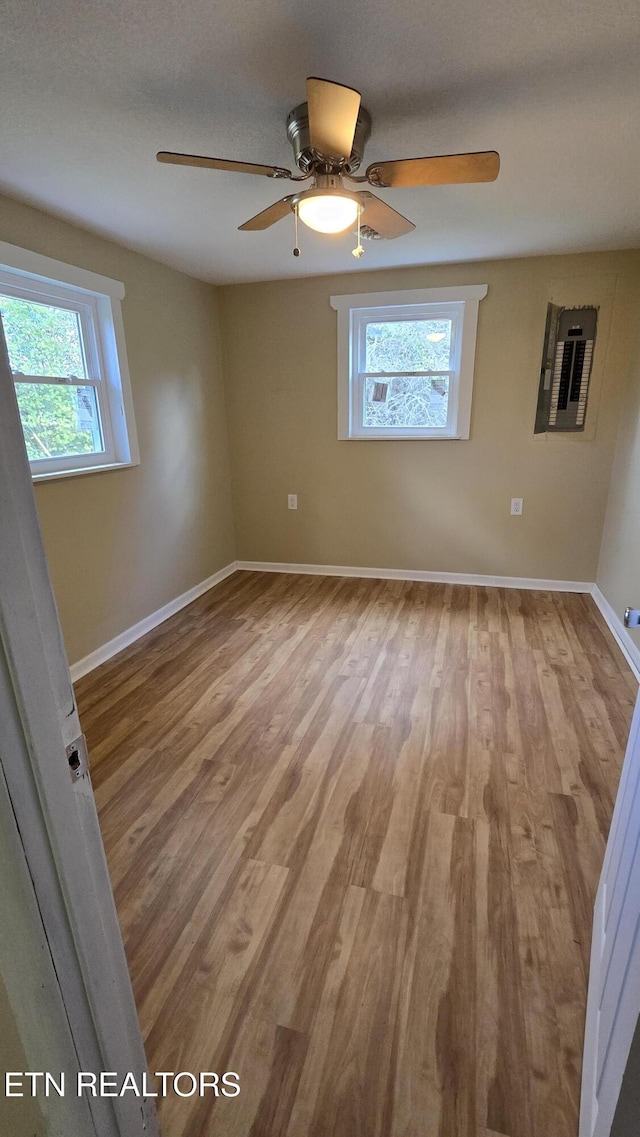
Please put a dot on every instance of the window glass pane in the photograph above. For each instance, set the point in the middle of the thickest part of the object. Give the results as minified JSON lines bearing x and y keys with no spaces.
{"x":411,"y":345}
{"x":406,"y":401}
{"x":59,"y":420}
{"x":42,"y":339}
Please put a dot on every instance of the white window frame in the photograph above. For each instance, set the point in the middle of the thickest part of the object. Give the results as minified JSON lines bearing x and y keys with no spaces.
{"x":97,"y":301}
{"x":460,"y":304}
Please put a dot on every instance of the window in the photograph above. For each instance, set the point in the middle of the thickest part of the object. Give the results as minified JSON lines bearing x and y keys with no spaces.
{"x":405,"y":362}
{"x":64,"y":336}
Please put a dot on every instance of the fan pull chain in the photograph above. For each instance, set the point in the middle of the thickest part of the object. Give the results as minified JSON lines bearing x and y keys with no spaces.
{"x":358,"y":251}
{"x":296,"y":251}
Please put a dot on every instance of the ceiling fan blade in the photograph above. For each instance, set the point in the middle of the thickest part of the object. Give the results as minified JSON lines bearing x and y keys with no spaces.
{"x":381,"y":217}
{"x":448,"y":169}
{"x":269,"y":216}
{"x":333,"y":113}
{"x":222,"y":164}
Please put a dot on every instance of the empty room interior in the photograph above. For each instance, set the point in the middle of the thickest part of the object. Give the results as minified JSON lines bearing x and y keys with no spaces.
{"x":321,"y":361}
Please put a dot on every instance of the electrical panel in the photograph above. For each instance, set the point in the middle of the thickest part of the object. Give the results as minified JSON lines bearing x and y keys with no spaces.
{"x":570,"y":337}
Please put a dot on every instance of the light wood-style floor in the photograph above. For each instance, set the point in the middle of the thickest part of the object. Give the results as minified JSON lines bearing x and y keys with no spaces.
{"x":355,"y":829}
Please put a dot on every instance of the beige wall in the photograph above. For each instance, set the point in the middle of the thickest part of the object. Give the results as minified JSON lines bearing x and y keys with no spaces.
{"x":438,"y":505}
{"x":123,"y":543}
{"x":625,"y":1121}
{"x":20,"y":1117}
{"x":619,"y":567}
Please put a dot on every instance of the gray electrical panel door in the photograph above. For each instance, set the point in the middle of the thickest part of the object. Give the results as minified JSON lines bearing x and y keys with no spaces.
{"x":570,"y":337}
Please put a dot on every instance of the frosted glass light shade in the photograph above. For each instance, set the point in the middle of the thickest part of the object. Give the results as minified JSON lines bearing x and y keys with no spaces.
{"x":328,"y":212}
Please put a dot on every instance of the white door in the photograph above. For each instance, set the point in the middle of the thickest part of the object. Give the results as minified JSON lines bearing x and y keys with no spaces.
{"x":613,"y":1003}
{"x":56,"y":829}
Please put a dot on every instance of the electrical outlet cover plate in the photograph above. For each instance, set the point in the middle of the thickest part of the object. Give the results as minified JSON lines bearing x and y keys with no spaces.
{"x":292,"y":501}
{"x":516,"y":506}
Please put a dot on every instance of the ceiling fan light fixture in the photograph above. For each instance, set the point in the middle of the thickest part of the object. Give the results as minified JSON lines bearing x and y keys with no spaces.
{"x":328,"y":134}
{"x":328,"y":210}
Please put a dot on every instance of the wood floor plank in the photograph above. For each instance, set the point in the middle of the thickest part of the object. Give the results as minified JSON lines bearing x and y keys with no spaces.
{"x":321,"y":1038}
{"x":293,"y":805}
{"x":224,"y":868}
{"x":418,"y":1090}
{"x":296,"y":960}
{"x":549,"y":1050}
{"x":354,"y":1090}
{"x":393,"y":858}
{"x":456,"y":1031}
{"x":196,"y":1009}
{"x":355,"y":829}
{"x":509,"y":1108}
{"x":485,"y":976}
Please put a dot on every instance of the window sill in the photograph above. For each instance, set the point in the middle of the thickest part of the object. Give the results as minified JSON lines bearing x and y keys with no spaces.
{"x":53,"y":475}
{"x":402,"y":438}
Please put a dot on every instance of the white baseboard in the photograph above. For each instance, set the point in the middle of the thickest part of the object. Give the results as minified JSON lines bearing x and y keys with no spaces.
{"x":419,"y":575}
{"x":628,"y":646}
{"x":130,"y":635}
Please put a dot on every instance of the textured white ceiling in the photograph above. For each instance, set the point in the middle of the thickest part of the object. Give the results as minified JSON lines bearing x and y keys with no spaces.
{"x":91,"y":89}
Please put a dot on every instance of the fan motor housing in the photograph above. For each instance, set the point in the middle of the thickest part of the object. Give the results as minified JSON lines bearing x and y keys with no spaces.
{"x":306,"y":157}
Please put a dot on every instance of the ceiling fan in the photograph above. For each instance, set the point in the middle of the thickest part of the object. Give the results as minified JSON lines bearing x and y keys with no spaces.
{"x":328,"y":134}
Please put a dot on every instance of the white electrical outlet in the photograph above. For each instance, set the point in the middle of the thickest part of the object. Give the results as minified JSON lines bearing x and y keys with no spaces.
{"x":292,"y":501}
{"x":516,"y":506}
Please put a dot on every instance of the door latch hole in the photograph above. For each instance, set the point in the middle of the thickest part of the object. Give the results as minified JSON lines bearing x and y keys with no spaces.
{"x":76,"y":753}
